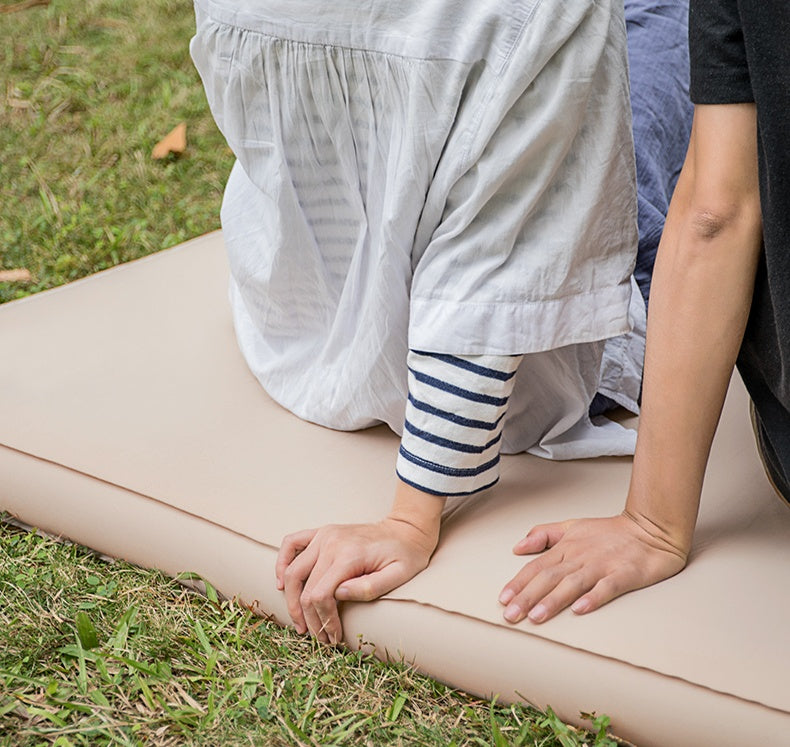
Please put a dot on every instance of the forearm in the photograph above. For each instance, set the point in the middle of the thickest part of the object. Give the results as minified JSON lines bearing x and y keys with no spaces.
{"x":702,"y":290}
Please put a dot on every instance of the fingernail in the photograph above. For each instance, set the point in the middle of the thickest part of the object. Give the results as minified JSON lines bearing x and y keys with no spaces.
{"x":506,"y":596}
{"x":580,"y":606}
{"x":341,"y":593}
{"x":538,"y":613}
{"x":513,"y":613}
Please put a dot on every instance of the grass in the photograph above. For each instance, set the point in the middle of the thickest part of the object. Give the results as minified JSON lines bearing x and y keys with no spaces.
{"x":106,"y":653}
{"x":86,"y":90}
{"x":93,"y":652}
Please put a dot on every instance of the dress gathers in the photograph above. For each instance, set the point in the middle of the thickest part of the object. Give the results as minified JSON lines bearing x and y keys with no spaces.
{"x":449,"y":177}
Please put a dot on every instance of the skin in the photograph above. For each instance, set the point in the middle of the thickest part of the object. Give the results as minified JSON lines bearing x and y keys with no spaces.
{"x":318,"y":568}
{"x":701,"y":295}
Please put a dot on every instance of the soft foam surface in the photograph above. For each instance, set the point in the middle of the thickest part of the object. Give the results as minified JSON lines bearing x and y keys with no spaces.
{"x":130,"y":423}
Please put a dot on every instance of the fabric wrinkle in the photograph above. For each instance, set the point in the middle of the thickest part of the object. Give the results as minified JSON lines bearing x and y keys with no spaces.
{"x":444,"y":187}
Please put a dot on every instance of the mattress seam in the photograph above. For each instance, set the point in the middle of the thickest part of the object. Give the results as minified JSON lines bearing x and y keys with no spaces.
{"x":391,"y":598}
{"x":597,"y":655}
{"x":138,"y":494}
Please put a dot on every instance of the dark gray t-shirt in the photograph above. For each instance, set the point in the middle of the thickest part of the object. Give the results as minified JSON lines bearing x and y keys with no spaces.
{"x":740,"y":53}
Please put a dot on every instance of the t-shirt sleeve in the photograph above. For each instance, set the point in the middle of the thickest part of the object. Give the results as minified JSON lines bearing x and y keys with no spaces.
{"x":719,"y":67}
{"x":454,"y":419}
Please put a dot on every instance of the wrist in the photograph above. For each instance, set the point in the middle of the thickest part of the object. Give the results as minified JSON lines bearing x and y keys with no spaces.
{"x":420,"y":510}
{"x":673,"y":539}
{"x":664,"y":495}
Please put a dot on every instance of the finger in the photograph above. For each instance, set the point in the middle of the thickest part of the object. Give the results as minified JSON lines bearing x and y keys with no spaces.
{"x":527,"y":574}
{"x":319,"y":604}
{"x":328,"y":613}
{"x":315,"y":625}
{"x":292,"y":545}
{"x":570,"y":588}
{"x":372,"y":585}
{"x":539,"y":585}
{"x":294,"y":578}
{"x":541,"y":537}
{"x":337,"y":586}
{"x":608,"y":588}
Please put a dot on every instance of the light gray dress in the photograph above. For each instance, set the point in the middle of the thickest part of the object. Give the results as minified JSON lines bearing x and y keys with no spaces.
{"x":453,"y":176}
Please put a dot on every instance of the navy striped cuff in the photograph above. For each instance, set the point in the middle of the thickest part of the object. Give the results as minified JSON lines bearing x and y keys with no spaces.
{"x":454,"y":419}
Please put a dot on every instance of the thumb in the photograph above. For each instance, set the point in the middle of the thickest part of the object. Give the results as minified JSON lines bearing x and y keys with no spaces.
{"x":372,"y":585}
{"x":540,"y":538}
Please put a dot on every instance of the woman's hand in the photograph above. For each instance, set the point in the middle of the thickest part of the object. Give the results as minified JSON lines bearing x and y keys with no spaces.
{"x":317,"y":568}
{"x":588,"y":563}
{"x":353,"y":562}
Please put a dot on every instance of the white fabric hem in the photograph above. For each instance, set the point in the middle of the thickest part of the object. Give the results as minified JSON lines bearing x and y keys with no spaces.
{"x":516,"y":328}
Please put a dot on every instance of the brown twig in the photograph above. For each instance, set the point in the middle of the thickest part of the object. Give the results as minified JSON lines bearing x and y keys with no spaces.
{"x":24,"y":5}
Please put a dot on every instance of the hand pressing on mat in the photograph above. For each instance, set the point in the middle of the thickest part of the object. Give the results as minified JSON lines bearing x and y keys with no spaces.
{"x":700,"y":302}
{"x":317,"y":568}
{"x":587,"y":563}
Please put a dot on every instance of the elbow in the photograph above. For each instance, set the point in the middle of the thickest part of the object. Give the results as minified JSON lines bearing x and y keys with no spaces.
{"x":722,"y":227}
{"x":709,"y":222}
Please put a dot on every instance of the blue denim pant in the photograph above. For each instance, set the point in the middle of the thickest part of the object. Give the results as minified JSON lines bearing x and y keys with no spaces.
{"x":661,"y":108}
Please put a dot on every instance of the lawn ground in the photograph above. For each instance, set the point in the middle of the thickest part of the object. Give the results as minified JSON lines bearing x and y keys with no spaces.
{"x":93,"y":652}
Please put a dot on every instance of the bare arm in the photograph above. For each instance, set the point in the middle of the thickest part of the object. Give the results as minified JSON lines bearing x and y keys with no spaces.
{"x":701,"y":295}
{"x":705,"y":280}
